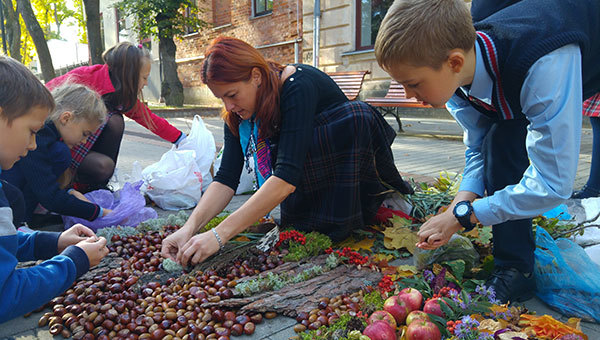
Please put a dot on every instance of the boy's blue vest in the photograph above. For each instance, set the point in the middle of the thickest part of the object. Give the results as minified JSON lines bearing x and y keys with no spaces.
{"x":515,"y":37}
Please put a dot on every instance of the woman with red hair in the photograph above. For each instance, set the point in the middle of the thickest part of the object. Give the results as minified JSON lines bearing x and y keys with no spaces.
{"x":326,"y":160}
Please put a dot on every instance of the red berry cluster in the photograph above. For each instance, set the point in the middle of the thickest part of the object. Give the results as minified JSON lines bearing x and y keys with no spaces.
{"x":352,"y":256}
{"x":444,"y":292}
{"x":385,"y":285}
{"x":291,"y":235}
{"x":328,"y":251}
{"x":361,"y":315}
{"x":451,"y":325}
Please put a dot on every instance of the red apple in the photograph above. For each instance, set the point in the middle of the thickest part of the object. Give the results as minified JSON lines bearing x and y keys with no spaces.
{"x":416,"y":315}
{"x":397,"y":308}
{"x":423,"y":330}
{"x":433,"y":307}
{"x":380,"y":330}
{"x":382,"y":315}
{"x":412,"y":297}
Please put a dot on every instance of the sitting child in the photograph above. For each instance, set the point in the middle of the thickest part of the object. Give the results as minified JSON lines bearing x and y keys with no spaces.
{"x":79,"y":112}
{"x":24,"y":106}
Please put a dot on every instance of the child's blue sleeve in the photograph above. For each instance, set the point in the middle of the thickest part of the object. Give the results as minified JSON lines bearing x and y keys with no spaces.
{"x":26,"y":289}
{"x":39,"y":245}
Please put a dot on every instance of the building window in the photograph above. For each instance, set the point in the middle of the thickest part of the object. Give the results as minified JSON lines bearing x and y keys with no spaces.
{"x":187,"y":12}
{"x":262,"y":7}
{"x":369,"y":15}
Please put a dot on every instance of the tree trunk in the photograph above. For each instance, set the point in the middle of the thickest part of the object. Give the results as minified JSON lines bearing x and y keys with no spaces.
{"x":171,"y":88}
{"x":13,"y":29}
{"x":39,"y":40}
{"x":92,"y":14}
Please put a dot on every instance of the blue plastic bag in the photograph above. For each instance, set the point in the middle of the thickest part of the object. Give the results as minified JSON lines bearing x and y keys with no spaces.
{"x":128,"y":207}
{"x":566,"y":278}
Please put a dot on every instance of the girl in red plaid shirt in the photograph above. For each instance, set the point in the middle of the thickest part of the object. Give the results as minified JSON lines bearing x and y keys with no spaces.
{"x":591,"y":108}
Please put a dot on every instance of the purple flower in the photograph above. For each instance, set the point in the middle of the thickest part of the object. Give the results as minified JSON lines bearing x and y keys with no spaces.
{"x":428,"y":276}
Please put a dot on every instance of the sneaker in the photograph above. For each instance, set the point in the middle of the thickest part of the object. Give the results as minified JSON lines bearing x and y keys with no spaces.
{"x":586,"y":192}
{"x":511,"y":285}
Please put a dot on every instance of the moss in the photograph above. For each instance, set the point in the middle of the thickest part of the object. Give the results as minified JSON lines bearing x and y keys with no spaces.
{"x":316,"y":243}
{"x":214,"y":222}
{"x":342,"y":329}
{"x":171,"y":266}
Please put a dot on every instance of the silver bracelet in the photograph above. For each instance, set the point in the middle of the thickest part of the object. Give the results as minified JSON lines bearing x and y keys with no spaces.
{"x":221,"y":245}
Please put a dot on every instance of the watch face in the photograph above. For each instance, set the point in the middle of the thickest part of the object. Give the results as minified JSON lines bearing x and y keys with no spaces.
{"x":462,"y":209}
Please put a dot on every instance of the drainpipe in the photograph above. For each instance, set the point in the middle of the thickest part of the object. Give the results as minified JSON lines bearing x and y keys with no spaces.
{"x":316,"y":32}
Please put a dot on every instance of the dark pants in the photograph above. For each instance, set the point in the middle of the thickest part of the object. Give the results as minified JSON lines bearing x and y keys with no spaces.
{"x":16,"y":201}
{"x":505,"y":161}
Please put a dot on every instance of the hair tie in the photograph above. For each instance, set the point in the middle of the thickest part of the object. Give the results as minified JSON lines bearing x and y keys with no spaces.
{"x":140,"y":46}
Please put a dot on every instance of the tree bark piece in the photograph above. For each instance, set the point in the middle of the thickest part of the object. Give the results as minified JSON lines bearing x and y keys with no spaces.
{"x":303,"y":296}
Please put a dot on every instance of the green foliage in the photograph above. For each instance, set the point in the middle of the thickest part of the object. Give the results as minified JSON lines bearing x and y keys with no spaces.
{"x":555,"y":227}
{"x":163,"y":18}
{"x":341,"y":326}
{"x":316,"y":243}
{"x":373,"y":300}
{"x":214,"y":222}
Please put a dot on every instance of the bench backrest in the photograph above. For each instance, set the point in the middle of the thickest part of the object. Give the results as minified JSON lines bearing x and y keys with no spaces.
{"x":349,"y":82}
{"x":396,"y":90}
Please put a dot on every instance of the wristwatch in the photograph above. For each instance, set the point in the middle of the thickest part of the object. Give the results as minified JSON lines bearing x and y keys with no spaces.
{"x":462,"y":212}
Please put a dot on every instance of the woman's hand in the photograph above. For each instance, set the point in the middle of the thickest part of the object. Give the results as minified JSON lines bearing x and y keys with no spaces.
{"x":74,"y":235}
{"x":198,"y":248}
{"x":174,"y":242}
{"x":438,"y":230}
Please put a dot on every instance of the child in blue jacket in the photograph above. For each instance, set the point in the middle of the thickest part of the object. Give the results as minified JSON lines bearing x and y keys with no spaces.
{"x":24,"y":106}
{"x":79,"y":112}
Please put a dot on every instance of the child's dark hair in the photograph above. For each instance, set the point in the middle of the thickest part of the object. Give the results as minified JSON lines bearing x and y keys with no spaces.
{"x":125,"y":62}
{"x":20,"y":90}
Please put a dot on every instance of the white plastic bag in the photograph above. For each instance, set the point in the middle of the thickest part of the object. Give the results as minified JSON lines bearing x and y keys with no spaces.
{"x":174,"y":182}
{"x":201,"y":140}
{"x":247,"y":179}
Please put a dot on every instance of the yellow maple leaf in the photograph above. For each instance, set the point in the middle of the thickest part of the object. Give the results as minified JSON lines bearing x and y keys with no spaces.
{"x":351,"y":243}
{"x":383,"y":257}
{"x":400,"y":237}
{"x":404,"y":271}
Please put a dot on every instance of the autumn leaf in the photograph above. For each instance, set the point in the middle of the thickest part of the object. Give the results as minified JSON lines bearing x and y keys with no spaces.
{"x":383,"y":257}
{"x":404,"y":271}
{"x":350,"y":242}
{"x":400,"y":237}
{"x":242,"y":239}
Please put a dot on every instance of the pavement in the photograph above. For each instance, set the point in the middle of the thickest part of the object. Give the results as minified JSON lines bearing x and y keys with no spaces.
{"x":427,"y":146}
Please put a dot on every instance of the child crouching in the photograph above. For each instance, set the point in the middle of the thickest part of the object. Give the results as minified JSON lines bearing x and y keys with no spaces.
{"x":79,"y":112}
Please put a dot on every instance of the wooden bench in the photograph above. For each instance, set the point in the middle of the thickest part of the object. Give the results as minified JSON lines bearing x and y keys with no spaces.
{"x":394,"y":99}
{"x":350,"y":82}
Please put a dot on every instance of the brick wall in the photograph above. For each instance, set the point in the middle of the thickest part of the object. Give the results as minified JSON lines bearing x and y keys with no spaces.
{"x":234,"y":18}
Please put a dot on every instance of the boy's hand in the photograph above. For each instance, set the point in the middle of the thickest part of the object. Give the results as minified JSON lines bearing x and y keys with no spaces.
{"x":95,"y":249}
{"x":74,"y":235}
{"x":438,"y":230}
